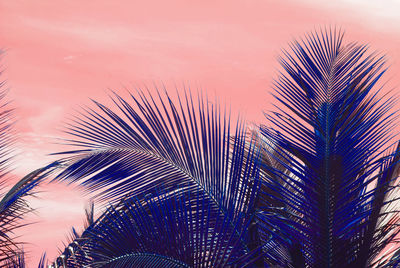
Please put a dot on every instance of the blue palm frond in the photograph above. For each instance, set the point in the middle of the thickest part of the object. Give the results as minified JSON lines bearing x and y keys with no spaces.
{"x":13,"y":207}
{"x":151,"y":143}
{"x":165,"y":230}
{"x":7,"y":245}
{"x":324,"y":194}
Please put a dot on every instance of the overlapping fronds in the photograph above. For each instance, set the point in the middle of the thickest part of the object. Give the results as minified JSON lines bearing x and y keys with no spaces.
{"x":175,"y":230}
{"x":156,"y":143}
{"x":326,"y":196}
{"x":161,"y":144}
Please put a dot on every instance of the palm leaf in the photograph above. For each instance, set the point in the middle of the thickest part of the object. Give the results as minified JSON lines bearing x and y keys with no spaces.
{"x":13,"y":204}
{"x":7,"y":245}
{"x":160,"y":144}
{"x":174,"y":230}
{"x":332,"y":181}
{"x":183,"y":146}
{"x":13,"y":207}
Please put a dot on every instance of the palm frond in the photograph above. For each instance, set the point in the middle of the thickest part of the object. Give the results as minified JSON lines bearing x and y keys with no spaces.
{"x":165,"y":230}
{"x":13,"y":204}
{"x":332,"y":180}
{"x":13,"y":207}
{"x":160,"y":143}
{"x":7,"y":245}
{"x":150,"y":144}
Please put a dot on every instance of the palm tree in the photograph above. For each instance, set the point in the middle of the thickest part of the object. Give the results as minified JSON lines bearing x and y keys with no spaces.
{"x":333,"y":183}
{"x":316,"y":189}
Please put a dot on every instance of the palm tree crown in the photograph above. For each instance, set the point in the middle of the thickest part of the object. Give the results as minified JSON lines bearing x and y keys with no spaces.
{"x":332,"y":177}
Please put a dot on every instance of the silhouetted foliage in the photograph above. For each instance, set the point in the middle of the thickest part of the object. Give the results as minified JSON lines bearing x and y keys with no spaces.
{"x":336,"y":178}
{"x":317,"y":187}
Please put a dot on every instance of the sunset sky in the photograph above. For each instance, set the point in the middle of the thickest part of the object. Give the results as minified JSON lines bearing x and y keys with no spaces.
{"x":58,"y":54}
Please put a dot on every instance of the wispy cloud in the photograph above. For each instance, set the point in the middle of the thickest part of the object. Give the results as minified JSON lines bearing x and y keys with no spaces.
{"x":382,"y":15}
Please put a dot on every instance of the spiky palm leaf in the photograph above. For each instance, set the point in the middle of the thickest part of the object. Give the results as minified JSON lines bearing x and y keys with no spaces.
{"x":332,"y":185}
{"x":182,"y":146}
{"x":7,"y":245}
{"x":13,"y":207}
{"x":13,"y":204}
{"x":176,"y":230}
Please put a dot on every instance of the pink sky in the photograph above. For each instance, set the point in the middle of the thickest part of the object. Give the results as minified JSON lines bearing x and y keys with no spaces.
{"x":60,"y":53}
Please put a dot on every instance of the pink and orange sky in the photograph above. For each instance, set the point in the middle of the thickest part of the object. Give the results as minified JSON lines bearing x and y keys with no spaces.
{"x":60,"y":53}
